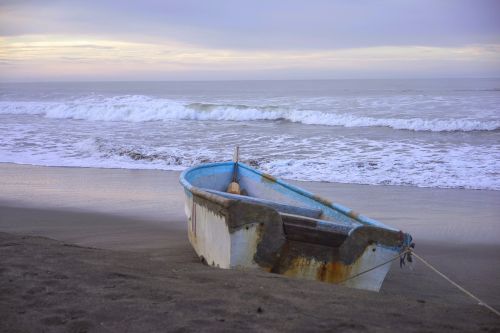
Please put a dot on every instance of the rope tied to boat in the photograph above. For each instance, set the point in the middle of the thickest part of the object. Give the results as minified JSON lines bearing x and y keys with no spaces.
{"x":465,"y":291}
{"x":406,"y":255}
{"x":399,"y":256}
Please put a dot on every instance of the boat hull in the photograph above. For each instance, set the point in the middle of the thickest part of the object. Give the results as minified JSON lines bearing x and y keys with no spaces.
{"x":230,"y":233}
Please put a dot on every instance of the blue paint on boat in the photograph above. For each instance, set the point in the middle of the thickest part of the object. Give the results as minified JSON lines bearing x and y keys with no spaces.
{"x":216,"y":176}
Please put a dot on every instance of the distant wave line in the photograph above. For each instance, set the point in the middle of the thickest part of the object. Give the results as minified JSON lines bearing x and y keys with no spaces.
{"x":143,"y":109}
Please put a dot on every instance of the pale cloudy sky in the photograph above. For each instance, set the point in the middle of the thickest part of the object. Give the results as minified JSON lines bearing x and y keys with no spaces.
{"x":269,"y":39}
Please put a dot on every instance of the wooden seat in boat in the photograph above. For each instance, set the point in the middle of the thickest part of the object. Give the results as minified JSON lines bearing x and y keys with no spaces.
{"x":300,"y":223}
{"x":280,"y":207}
{"x":315,"y":231}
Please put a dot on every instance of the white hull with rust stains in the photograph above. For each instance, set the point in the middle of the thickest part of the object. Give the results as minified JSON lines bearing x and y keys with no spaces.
{"x":283,"y":229}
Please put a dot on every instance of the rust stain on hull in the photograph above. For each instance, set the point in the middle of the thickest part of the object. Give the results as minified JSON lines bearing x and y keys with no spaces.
{"x":331,"y":272}
{"x":261,"y":231}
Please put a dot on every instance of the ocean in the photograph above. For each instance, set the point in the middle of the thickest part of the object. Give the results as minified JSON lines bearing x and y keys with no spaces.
{"x":427,"y":133}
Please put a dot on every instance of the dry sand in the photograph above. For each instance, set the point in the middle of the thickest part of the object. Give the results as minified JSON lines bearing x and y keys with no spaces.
{"x":119,"y":260}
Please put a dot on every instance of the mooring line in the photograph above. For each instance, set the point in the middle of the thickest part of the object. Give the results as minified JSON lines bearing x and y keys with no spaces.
{"x":481,"y":302}
{"x":379,"y":265}
{"x":409,"y":250}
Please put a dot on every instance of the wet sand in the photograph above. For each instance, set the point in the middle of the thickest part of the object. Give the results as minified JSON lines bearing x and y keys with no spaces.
{"x":106,"y":250}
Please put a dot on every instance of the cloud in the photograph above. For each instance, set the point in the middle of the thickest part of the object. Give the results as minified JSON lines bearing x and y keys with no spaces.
{"x":271,"y":24}
{"x":197,"y":39}
{"x":82,"y":56}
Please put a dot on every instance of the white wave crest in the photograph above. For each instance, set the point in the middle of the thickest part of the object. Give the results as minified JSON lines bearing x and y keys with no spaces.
{"x":138,"y":108}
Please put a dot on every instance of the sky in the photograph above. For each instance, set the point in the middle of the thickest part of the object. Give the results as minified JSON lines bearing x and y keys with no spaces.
{"x":86,"y":40}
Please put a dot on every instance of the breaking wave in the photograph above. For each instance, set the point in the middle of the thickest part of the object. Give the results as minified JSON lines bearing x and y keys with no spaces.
{"x":395,"y":163}
{"x":138,"y":108}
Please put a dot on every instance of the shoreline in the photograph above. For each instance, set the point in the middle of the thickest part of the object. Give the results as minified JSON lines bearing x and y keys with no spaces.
{"x":99,"y":227}
{"x":298,"y":181}
{"x":455,"y":215}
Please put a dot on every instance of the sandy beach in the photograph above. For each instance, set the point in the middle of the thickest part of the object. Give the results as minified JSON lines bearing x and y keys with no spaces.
{"x":86,"y":249}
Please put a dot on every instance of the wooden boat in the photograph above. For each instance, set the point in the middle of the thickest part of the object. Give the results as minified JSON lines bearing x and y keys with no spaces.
{"x":281,"y":228}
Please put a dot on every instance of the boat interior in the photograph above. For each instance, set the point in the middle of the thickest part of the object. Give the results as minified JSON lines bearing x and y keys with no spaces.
{"x":305,"y":217}
{"x":300,"y":223}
